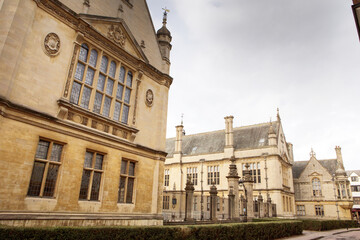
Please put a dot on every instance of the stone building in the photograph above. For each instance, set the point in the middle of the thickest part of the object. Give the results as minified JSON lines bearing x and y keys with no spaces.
{"x":354,"y":178}
{"x":83,"y":105}
{"x":322,"y":188}
{"x":205,"y":158}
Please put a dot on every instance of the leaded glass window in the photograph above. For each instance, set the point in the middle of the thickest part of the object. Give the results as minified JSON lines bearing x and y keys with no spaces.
{"x":102,"y":85}
{"x":45,"y":170}
{"x":316,"y":187}
{"x":82,"y":88}
{"x":127,"y":181}
{"x":91,"y":178}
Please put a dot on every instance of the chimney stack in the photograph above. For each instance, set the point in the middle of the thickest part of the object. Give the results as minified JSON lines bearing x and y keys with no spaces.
{"x":178,"y":141}
{"x":229,"y":137}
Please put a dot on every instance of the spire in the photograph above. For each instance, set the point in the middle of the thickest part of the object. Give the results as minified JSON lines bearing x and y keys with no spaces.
{"x":182,"y":124}
{"x":278,"y":115}
{"x":164,"y":39}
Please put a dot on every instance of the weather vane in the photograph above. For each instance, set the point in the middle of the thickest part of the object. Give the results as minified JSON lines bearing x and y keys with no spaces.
{"x":165,"y":15}
{"x":182,"y":119}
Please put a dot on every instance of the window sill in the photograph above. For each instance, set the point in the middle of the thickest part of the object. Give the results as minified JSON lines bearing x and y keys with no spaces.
{"x":79,"y":115}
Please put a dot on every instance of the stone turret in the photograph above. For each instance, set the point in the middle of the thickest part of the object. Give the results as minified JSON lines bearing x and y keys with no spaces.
{"x":340,"y":171}
{"x":271,"y":135}
{"x":164,"y":39}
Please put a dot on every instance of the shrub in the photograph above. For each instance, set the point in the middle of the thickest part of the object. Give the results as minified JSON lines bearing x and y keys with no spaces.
{"x":265,"y":230}
{"x":323,"y":225}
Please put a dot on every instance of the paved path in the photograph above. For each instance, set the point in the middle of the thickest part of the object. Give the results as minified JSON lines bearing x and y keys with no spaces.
{"x":338,"y":234}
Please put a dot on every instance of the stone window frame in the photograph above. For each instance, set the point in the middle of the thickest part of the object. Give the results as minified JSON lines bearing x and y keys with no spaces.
{"x":354,"y":178}
{"x":195,"y":203}
{"x":208,"y":203}
{"x":166,"y":202}
{"x":300,"y":210}
{"x":93,"y":169}
{"x":47,"y":161}
{"x":191,"y":172}
{"x":125,"y":175}
{"x":166,"y":177}
{"x":213,"y":174}
{"x":319,"y":210}
{"x":316,"y":187}
{"x":94,"y":86}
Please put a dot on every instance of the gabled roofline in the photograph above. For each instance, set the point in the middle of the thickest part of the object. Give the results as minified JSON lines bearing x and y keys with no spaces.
{"x":100,"y":18}
{"x":223,"y":130}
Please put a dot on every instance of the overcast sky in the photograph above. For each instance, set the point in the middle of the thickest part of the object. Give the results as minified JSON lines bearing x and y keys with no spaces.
{"x":246,"y":58}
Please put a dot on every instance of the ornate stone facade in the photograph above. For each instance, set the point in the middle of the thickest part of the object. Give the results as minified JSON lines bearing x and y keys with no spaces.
{"x":75,"y":126}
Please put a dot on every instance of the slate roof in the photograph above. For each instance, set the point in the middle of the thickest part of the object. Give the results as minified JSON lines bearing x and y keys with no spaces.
{"x":349,"y":172}
{"x":329,"y":164}
{"x":247,"y":137}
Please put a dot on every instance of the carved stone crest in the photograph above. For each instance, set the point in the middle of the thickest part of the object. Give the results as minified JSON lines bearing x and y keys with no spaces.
{"x":149,"y":98}
{"x":116,"y":34}
{"x":52,"y":44}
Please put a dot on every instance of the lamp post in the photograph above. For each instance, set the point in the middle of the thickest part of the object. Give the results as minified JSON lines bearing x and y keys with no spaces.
{"x":245,"y":193}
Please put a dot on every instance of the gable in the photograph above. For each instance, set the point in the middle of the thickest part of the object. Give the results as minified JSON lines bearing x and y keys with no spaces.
{"x":314,"y":168}
{"x":116,"y":30}
{"x":282,"y":146}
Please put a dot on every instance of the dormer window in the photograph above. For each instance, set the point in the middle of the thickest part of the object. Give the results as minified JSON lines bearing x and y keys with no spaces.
{"x":101,"y":84}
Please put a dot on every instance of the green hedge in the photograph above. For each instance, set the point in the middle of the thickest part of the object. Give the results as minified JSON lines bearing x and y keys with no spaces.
{"x":267,"y":230}
{"x":323,"y":225}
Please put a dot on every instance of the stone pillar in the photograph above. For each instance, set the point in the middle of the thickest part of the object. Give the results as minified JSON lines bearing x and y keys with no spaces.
{"x":231,"y":204}
{"x":270,"y":213}
{"x":189,"y":189}
{"x":213,"y":200}
{"x":261,"y":206}
{"x":249,"y":185}
{"x":233,"y":183}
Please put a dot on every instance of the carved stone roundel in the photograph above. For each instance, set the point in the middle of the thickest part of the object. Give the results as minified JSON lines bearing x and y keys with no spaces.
{"x":52,"y":44}
{"x":149,"y":98}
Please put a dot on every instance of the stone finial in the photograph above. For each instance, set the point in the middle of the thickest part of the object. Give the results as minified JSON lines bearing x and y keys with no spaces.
{"x":86,"y":6}
{"x":278,"y":115}
{"x":247,"y":176}
{"x":312,"y":153}
{"x":233,"y":169}
{"x":189,"y":185}
{"x":260,"y":197}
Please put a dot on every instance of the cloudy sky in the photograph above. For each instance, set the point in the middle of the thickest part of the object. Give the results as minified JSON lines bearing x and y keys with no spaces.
{"x":246,"y":58}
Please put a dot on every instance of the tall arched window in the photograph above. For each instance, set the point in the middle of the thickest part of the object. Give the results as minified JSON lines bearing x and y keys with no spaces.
{"x":101,"y":84}
{"x":316,"y":185}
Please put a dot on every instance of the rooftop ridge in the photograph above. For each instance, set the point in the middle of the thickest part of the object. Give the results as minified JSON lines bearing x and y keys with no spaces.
{"x":223,"y":130}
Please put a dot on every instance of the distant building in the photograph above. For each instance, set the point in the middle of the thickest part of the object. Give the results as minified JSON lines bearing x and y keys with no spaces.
{"x":354,"y":178}
{"x":304,"y":189}
{"x":83,"y":105}
{"x":205,"y":158}
{"x":322,"y":188}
